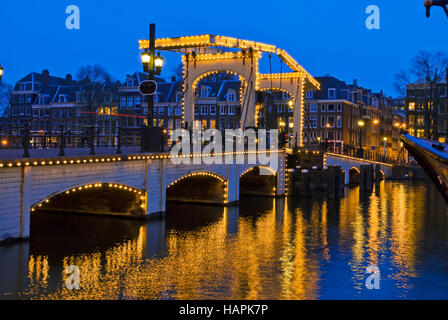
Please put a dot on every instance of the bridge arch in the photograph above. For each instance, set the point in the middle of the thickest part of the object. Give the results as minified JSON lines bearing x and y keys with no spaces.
{"x":198,"y":66}
{"x":354,"y":175}
{"x":198,"y":187}
{"x":259,"y":181}
{"x":95,"y":198}
{"x":279,"y":90}
{"x":204,"y":75}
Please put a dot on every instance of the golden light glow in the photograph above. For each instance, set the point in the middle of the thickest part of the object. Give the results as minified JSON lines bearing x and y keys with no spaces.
{"x":146,"y":57}
{"x":4,"y":142}
{"x":361,"y":123}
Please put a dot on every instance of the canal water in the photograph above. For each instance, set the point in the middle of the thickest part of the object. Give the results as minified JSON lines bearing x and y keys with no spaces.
{"x":264,"y":249}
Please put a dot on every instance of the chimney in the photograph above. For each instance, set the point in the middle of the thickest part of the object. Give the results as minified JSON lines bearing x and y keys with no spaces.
{"x":173,"y":79}
{"x":355,"y":82}
{"x":68,"y":78}
{"x":45,"y":78}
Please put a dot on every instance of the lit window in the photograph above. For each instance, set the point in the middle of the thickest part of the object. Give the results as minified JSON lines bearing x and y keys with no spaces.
{"x":411,"y":106}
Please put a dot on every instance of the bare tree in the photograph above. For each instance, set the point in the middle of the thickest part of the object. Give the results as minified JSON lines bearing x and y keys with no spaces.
{"x":178,"y":72}
{"x":427,"y":71}
{"x":93,"y":78}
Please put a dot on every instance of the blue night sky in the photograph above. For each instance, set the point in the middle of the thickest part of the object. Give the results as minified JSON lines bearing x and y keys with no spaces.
{"x":326,"y":37}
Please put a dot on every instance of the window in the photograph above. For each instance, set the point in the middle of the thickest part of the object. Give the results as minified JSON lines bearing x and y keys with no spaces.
{"x":179,"y":96}
{"x":231,"y":110}
{"x":285,"y":95}
{"x":130,"y":82}
{"x":331,"y":93}
{"x":170,"y":111}
{"x":339,"y":121}
{"x":178,"y":111}
{"x":130,"y":101}
{"x":204,"y":110}
{"x":161,"y":111}
{"x":420,"y":120}
{"x":310,"y":94}
{"x":123,"y":102}
{"x":280,"y":108}
{"x":339,"y":107}
{"x":330,"y":108}
{"x":322,"y":122}
{"x":411,"y":106}
{"x":62,"y":98}
{"x":330,"y":121}
{"x":196,"y":110}
{"x":223,"y":110}
{"x":138,"y":101}
{"x":178,"y":123}
{"x":212,"y":110}
{"x":28,"y":98}
{"x":322,"y":107}
{"x":313,"y":121}
{"x":205,"y":92}
{"x":231,"y":95}
{"x":313,"y":107}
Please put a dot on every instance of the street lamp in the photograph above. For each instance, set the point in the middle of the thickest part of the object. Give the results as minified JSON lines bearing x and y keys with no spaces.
{"x":158,"y":62}
{"x":1,"y":73}
{"x":146,"y":59}
{"x":385,"y":145}
{"x":152,"y":136}
{"x":361,"y":124}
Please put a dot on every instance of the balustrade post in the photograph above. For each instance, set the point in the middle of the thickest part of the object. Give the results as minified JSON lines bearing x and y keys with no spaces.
{"x":92,"y":140}
{"x":26,"y":140}
{"x":119,"y":141}
{"x":61,"y":141}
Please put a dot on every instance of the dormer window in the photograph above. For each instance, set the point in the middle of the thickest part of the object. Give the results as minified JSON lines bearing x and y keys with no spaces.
{"x":310,"y":94}
{"x":63,"y":98}
{"x":130,"y":82}
{"x":231,"y":95}
{"x":205,"y":92}
{"x":179,"y":95}
{"x":43,"y":99}
{"x":331,"y":93}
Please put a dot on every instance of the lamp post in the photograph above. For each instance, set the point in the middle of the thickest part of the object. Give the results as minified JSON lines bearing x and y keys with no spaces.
{"x":152,"y":64}
{"x":1,"y":73}
{"x":384,"y":146}
{"x":361,"y":124}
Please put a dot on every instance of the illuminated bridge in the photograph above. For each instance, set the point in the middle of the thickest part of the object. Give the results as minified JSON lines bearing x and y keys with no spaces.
{"x":133,"y":185}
